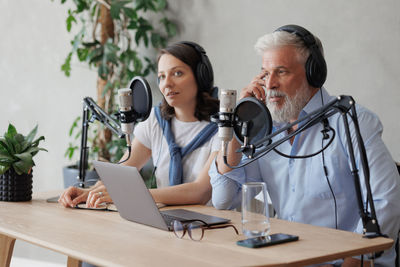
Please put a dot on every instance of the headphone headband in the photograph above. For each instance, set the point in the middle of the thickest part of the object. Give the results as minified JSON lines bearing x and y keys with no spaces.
{"x":316,"y":69}
{"x":204,"y":72}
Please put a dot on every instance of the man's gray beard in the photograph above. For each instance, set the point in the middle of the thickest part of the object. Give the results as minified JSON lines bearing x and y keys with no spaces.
{"x":291,"y":107}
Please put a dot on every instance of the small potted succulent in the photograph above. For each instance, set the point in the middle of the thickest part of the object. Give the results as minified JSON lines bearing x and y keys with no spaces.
{"x":16,"y":162}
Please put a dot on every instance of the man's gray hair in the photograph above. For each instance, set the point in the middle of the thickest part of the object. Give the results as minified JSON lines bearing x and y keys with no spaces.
{"x":281,"y":38}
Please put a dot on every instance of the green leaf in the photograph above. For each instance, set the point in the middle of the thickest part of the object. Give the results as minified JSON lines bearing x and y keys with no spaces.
{"x":169,"y":26}
{"x":116,"y":7}
{"x":11,"y":131}
{"x":32,"y":134}
{"x":25,"y":145}
{"x":161,"y":4}
{"x":130,"y":13}
{"x":3,"y":169}
{"x":137,"y":64}
{"x":103,"y":71}
{"x":82,"y":53}
{"x":151,"y":66}
{"x":95,"y":55}
{"x":5,"y":146}
{"x":66,"y":67}
{"x":70,"y":151}
{"x":109,"y":86}
{"x":77,"y":135}
{"x":81,"y":5}
{"x":115,"y":10}
{"x":24,"y":164}
{"x":144,"y":24}
{"x":91,"y":44}
{"x":19,"y":138}
{"x":139,"y":35}
{"x":18,"y":144}
{"x":110,"y":53}
{"x":36,"y":142}
{"x":69,"y":20}
{"x":133,"y":25}
{"x":3,"y":151}
{"x":74,"y":125}
{"x":6,"y":160}
{"x":36,"y":150}
{"x":144,"y":5}
{"x":24,"y":156}
{"x":156,"y":40}
{"x":21,"y":167}
{"x":33,"y":150}
{"x":10,"y":144}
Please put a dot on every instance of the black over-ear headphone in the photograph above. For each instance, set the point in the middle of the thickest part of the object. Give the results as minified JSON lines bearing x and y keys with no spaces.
{"x":316,"y":69}
{"x":204,"y":72}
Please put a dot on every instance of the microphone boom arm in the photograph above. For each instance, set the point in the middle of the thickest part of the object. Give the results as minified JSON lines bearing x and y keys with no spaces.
{"x":343,"y":104}
{"x":336,"y":105}
{"x":96,"y":114}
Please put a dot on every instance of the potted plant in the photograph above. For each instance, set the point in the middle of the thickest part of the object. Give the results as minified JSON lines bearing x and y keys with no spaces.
{"x":16,"y":162}
{"x":118,"y":38}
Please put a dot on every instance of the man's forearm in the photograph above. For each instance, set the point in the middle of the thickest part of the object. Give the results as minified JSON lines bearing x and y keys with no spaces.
{"x":233,"y":158}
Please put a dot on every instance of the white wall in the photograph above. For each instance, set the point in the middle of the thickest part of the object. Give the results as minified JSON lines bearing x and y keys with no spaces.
{"x":361,"y":40}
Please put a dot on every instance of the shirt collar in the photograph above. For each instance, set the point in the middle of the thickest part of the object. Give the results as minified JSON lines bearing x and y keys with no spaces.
{"x":316,"y":102}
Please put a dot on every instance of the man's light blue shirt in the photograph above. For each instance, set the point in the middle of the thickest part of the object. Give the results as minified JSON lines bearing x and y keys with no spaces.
{"x":299,"y":189}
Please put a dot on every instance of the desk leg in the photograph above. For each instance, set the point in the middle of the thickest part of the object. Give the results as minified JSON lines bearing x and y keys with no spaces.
{"x":6,"y":250}
{"x":73,"y":262}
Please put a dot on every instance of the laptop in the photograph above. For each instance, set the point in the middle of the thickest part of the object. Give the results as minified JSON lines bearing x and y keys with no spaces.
{"x":135,"y":203}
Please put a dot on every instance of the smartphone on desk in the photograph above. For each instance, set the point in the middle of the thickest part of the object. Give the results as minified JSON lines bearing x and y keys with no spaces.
{"x":263,"y":241}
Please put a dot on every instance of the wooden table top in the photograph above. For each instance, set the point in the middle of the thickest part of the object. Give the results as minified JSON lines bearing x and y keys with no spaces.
{"x":104,"y":238}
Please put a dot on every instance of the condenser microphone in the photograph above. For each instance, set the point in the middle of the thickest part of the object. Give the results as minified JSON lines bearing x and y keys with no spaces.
{"x":126,"y":113}
{"x":253,"y":121}
{"x":226,"y":107}
{"x":134,"y":105}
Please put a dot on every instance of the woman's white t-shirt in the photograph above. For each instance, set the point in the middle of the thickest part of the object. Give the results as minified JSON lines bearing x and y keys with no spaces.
{"x":150,"y":134}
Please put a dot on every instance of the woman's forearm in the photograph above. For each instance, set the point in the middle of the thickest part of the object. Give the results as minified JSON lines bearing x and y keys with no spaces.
{"x":188,"y":193}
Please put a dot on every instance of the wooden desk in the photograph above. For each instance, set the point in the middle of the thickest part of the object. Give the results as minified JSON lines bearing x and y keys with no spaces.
{"x":105,"y":239}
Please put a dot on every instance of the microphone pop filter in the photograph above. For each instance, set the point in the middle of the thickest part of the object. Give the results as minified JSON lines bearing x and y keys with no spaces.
{"x":141,"y":98}
{"x":258,"y":119}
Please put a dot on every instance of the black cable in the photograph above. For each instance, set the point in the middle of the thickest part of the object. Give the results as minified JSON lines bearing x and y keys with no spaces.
{"x":129,"y":155}
{"x":309,"y":155}
{"x":326,"y":124}
{"x":330,"y":186}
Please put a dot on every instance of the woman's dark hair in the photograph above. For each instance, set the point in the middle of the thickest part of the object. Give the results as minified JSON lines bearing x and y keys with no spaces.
{"x":206,"y":105}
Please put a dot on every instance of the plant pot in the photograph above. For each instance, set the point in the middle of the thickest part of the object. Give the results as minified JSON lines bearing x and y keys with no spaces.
{"x":71,"y":172}
{"x":15,"y":187}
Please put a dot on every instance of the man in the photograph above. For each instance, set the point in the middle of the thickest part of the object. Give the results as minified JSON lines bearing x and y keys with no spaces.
{"x":317,"y":190}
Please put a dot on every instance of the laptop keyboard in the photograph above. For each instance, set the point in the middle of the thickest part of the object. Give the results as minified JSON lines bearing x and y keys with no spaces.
{"x":169,"y":219}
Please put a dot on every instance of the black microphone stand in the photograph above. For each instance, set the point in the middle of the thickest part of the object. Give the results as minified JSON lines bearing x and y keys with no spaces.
{"x":343,"y":104}
{"x":92,"y":112}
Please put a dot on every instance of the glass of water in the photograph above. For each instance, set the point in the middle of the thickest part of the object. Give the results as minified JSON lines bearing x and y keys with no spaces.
{"x":255,"y":215}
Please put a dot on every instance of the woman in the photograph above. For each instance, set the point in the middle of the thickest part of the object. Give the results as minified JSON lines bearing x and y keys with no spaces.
{"x":185,"y":78}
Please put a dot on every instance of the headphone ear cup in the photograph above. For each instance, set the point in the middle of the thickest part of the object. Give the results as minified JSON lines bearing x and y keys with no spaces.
{"x":315,"y":71}
{"x":204,"y":76}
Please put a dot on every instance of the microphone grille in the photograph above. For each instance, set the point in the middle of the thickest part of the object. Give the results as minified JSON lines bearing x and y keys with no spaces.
{"x":125,"y":99}
{"x":227,"y":100}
